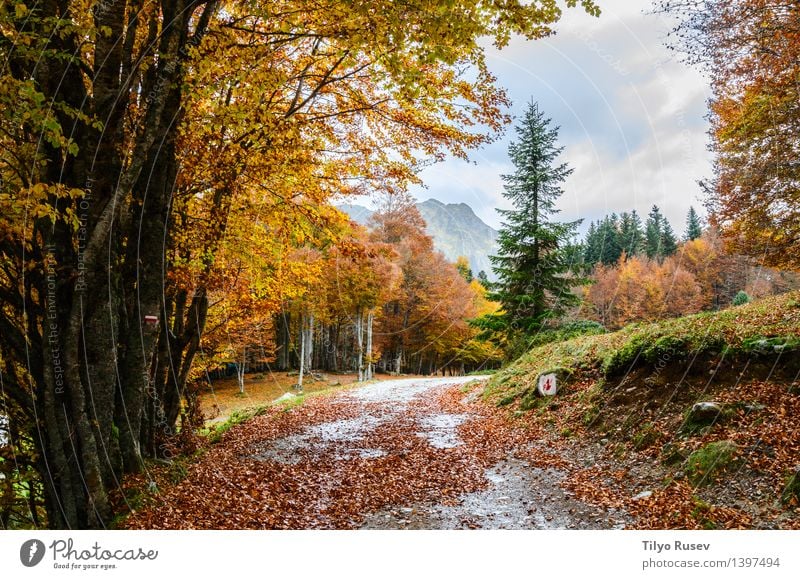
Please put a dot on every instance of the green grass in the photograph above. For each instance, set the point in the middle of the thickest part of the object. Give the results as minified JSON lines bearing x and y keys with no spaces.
{"x":706,"y":463}
{"x":487,"y":372}
{"x":237,"y":417}
{"x":791,"y":492}
{"x":765,"y":327}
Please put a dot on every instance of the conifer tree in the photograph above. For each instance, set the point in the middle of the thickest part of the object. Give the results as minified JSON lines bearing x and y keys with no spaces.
{"x":631,"y":236}
{"x":610,"y":246}
{"x":669,"y":243}
{"x":591,"y":248}
{"x":652,"y":235}
{"x":660,"y":240}
{"x":693,"y":227}
{"x":531,"y":265}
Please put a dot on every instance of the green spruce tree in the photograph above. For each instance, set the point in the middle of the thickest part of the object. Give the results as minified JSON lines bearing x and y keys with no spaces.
{"x":591,"y":247}
{"x":660,"y":240}
{"x":669,"y":243}
{"x":652,"y":233}
{"x":631,"y":236}
{"x":531,"y":265}
{"x":694,"y":229}
{"x":608,"y":235}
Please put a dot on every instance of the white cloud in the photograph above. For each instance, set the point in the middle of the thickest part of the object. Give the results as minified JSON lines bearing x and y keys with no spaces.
{"x":631,"y":117}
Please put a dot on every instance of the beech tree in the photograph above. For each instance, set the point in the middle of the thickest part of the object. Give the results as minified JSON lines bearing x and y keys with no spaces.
{"x":751,"y":51}
{"x":122,"y":118}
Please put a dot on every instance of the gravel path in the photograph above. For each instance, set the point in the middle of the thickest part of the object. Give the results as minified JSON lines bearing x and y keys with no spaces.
{"x":516,"y":495}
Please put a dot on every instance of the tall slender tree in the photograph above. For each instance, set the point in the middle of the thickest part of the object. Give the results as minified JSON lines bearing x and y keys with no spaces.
{"x":693,"y":227}
{"x":652,"y":233}
{"x":591,"y":247}
{"x":669,"y":242}
{"x":660,"y":240}
{"x":610,"y":245}
{"x":533,"y":286}
{"x":631,"y":236}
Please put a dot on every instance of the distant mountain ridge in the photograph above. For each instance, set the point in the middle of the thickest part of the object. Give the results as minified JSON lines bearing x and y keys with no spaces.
{"x":455,"y":229}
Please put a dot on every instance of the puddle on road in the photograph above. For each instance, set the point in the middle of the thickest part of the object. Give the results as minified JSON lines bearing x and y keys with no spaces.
{"x":343,"y":437}
{"x":519,"y":497}
{"x":345,"y":430}
{"x":440,"y":429}
{"x":340,"y":435}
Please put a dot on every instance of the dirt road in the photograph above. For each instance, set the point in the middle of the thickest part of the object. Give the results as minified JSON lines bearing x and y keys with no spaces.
{"x":398,"y":454}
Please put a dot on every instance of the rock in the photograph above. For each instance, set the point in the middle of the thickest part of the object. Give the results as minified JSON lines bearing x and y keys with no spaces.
{"x":761,"y":346}
{"x":704,"y":413}
{"x":643,"y":495}
{"x":287,"y":396}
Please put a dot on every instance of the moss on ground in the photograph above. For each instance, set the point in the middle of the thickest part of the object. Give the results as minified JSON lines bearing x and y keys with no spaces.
{"x":769,"y":326}
{"x":706,"y":463}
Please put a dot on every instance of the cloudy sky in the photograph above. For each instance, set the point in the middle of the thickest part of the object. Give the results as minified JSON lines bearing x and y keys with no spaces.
{"x":631,"y":118}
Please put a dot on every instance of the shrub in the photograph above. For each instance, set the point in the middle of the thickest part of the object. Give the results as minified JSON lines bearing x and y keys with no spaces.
{"x":741,"y":298}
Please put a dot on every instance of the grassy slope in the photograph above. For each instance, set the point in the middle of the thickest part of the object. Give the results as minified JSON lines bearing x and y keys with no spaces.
{"x":766,"y":325}
{"x":624,"y":405}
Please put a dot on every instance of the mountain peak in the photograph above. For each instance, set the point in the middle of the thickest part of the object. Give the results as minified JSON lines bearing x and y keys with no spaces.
{"x":455,"y":228}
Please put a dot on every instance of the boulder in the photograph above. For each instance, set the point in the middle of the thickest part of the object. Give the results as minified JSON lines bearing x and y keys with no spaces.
{"x":287,"y":396}
{"x":704,"y":413}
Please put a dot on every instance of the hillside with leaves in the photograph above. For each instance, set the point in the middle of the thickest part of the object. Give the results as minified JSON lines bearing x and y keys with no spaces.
{"x":635,"y":398}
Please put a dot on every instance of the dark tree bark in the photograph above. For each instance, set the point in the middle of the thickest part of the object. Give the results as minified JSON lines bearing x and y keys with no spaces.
{"x":85,"y":344}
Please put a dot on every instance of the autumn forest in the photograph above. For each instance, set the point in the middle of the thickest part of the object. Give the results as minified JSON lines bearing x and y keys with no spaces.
{"x":170,"y":245}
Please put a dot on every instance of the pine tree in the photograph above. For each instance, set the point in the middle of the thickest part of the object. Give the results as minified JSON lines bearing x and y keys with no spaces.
{"x":693,"y":227}
{"x":660,"y":240}
{"x":652,"y":234}
{"x":531,"y":265}
{"x":669,"y":243}
{"x":631,"y":236}
{"x":610,"y":246}
{"x":591,"y":247}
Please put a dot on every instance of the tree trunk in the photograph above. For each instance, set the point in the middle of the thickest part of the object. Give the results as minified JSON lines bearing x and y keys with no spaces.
{"x":302,"y":353}
{"x":309,"y":349}
{"x":359,"y":323}
{"x":283,"y":339}
{"x":90,"y":352}
{"x":240,"y":368}
{"x":370,"y":319}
